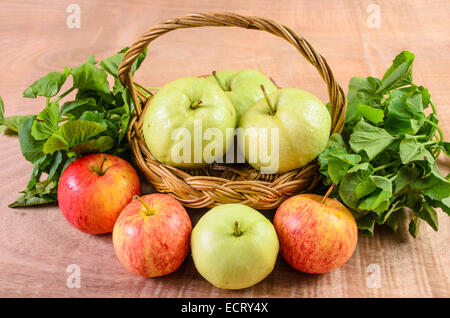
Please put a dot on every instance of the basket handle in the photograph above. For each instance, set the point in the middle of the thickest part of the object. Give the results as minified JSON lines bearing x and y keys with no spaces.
{"x":335,"y":92}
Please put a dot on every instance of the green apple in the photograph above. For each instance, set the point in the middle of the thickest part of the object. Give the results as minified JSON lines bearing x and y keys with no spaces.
{"x":292,"y":128}
{"x":186,"y":122}
{"x":242,"y":87}
{"x":234,"y":246}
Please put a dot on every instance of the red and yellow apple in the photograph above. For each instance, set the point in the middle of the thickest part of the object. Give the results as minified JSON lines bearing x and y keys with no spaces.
{"x":316,"y":234}
{"x":152,"y":235}
{"x":94,"y":189}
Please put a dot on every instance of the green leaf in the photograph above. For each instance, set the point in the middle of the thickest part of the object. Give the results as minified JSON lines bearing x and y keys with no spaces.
{"x":412,"y":150}
{"x":95,"y":117}
{"x":111,"y":64}
{"x":405,"y":176}
{"x":377,"y":202}
{"x":339,"y":163}
{"x":46,"y":122}
{"x":366,"y":224}
{"x":47,"y":86}
{"x":77,"y":107}
{"x":348,"y":186}
{"x":361,"y":167}
{"x":388,"y":217}
{"x":361,"y":91}
{"x":381,"y":182}
{"x":370,"y":113}
{"x":32,"y":149}
{"x":335,"y":143}
{"x":372,"y":140}
{"x":43,"y":192}
{"x":91,"y":59}
{"x":444,"y":204}
{"x":14,"y":122}
{"x":100,"y":144}
{"x":446,"y":148}
{"x":125,"y":121}
{"x":399,"y":74}
{"x":415,"y":104}
{"x":392,"y":221}
{"x":88,"y":76}
{"x":435,"y":186}
{"x":429,"y":215}
{"x":71,"y":134}
{"x":366,"y":187}
{"x":414,"y":226}
{"x":56,"y":162}
{"x":399,"y":118}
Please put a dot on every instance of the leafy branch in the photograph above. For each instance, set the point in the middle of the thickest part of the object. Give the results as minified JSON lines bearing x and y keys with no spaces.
{"x":96,"y":120}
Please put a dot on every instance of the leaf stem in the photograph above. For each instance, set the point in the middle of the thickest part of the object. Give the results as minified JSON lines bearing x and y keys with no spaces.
{"x":433,"y":107}
{"x":441,"y":134}
{"x":64,"y":94}
{"x":386,"y":165}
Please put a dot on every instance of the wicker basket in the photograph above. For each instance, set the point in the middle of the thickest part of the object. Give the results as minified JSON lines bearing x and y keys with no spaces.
{"x":225,"y":183}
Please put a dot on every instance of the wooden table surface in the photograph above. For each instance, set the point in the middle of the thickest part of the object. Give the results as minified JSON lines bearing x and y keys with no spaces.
{"x":37,"y":245}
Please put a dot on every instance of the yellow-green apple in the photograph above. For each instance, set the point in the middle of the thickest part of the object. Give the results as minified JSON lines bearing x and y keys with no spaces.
{"x":93,"y":190}
{"x":178,"y":115}
{"x":242,"y":87}
{"x":284,"y":131}
{"x":234,"y":246}
{"x":317,"y":234}
{"x":151,"y":236}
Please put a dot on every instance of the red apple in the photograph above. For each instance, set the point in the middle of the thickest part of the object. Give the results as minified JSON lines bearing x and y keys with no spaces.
{"x":316,"y":234}
{"x":94,"y":189}
{"x":152,"y":234}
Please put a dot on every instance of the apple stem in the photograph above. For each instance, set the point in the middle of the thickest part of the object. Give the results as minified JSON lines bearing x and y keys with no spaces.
{"x":271,"y":107}
{"x":328,"y":193}
{"x":237,"y":232}
{"x":149,"y":211}
{"x":101,"y":172}
{"x":217,"y":80}
{"x":196,"y":103}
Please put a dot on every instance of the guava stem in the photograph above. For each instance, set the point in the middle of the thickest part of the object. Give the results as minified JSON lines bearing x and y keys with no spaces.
{"x":148,"y":210}
{"x":237,"y":232}
{"x":271,"y":107}
{"x":273,"y":81}
{"x":217,"y":80}
{"x":196,"y":103}
{"x":328,"y":193}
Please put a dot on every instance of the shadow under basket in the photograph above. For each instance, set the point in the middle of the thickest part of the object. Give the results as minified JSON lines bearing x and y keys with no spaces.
{"x":216,"y":183}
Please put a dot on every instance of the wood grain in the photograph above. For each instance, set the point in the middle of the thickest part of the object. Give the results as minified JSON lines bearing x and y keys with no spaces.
{"x":37,"y":245}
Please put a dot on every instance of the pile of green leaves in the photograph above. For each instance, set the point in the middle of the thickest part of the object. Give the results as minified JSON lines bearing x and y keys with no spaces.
{"x":385,"y":158}
{"x":96,"y":120}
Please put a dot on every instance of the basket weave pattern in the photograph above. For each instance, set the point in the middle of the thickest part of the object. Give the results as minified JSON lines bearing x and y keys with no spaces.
{"x":217,"y":184}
